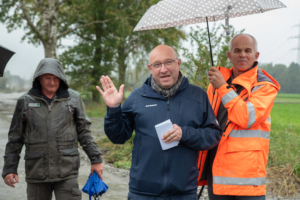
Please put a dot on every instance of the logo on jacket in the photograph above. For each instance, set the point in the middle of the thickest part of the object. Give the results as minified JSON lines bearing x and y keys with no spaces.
{"x":152,"y":105}
{"x":34,"y":105}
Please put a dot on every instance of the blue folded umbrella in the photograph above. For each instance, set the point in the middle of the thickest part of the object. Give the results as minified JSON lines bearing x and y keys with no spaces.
{"x":94,"y":186}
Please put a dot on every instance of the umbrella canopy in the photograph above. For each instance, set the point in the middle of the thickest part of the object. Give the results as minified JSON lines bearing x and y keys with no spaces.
{"x":94,"y":186}
{"x":171,"y":13}
{"x":5,"y":55}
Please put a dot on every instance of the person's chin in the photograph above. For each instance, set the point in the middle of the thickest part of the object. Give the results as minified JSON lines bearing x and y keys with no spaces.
{"x":166,"y":86}
{"x":243,"y":66}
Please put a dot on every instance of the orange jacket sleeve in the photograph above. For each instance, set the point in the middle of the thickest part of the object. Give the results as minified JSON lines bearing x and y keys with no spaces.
{"x":252,"y":111}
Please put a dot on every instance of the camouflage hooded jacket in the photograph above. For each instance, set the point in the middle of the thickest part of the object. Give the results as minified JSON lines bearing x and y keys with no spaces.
{"x":50,"y":132}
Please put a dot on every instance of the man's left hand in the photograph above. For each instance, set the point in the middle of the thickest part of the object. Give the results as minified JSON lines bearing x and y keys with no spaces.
{"x":98,"y":168}
{"x":174,"y":134}
{"x":215,"y":77}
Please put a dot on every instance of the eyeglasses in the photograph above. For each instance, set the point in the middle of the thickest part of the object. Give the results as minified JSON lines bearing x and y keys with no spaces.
{"x":167,"y":63}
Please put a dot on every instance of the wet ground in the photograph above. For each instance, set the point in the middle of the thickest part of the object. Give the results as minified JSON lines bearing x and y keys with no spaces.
{"x":116,"y":179}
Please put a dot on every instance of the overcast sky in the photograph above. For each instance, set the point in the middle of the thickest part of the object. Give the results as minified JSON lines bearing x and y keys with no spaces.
{"x":273,"y":31}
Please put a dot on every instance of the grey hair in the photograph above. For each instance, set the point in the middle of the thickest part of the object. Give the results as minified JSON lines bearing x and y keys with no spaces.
{"x":253,"y":38}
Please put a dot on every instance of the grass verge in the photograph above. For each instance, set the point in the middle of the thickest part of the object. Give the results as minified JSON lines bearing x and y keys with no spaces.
{"x":283,"y":170}
{"x":119,"y":155}
{"x":94,"y":109}
{"x":295,"y":98}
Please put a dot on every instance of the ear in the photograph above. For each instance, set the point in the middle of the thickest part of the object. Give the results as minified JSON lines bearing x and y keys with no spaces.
{"x":229,"y":56}
{"x":256,"y":55}
{"x":179,"y":63}
{"x":149,"y":67}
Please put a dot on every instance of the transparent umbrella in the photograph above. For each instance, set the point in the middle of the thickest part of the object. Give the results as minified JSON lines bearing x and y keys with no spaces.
{"x":172,"y":13}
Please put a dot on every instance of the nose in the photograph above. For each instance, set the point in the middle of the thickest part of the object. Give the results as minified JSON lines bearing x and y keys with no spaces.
{"x":243,"y":54}
{"x":52,"y":81}
{"x":163,"y":68}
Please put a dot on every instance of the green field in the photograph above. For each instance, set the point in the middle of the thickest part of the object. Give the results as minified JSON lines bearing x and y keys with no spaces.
{"x":284,"y":98}
{"x":285,"y":135}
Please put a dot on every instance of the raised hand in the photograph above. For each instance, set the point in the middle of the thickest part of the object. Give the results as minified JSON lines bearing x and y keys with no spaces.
{"x":111,"y":95}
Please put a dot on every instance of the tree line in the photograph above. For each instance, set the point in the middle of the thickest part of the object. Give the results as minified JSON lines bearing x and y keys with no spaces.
{"x":102,"y":31}
{"x":105,"y":43}
{"x":287,"y":77}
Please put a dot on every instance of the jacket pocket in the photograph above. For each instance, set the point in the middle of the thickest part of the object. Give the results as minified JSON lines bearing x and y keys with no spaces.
{"x":64,"y":115}
{"x":34,"y":164}
{"x":242,"y":157}
{"x":35,"y":128}
{"x":69,"y":162}
{"x":66,"y":139}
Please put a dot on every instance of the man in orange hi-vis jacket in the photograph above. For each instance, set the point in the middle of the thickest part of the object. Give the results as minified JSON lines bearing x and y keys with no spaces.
{"x":242,"y":98}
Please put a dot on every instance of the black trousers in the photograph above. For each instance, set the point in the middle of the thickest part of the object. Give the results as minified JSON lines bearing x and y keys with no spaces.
{"x":63,"y":190}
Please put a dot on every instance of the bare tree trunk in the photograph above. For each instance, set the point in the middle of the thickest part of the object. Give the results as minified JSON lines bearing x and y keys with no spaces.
{"x":48,"y":34}
{"x":49,"y":31}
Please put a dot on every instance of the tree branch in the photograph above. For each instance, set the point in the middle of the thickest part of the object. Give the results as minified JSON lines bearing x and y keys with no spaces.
{"x":60,"y":3}
{"x":30,"y":23}
{"x":86,"y":38}
{"x":82,"y":26}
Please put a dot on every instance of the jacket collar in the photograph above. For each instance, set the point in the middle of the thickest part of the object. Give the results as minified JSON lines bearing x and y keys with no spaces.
{"x":148,"y":91}
{"x":247,"y":79}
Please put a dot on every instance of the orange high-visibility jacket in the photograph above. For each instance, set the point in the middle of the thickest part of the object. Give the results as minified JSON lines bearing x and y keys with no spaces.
{"x":239,"y":167}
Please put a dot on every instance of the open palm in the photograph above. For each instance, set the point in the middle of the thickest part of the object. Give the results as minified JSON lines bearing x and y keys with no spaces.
{"x":110,"y":94}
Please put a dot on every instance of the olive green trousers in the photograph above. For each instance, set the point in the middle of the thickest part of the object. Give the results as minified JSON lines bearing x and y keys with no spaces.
{"x":63,"y":190}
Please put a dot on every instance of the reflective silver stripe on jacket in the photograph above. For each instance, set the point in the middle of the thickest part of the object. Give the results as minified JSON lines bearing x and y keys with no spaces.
{"x":228,"y":97}
{"x":251,"y":114}
{"x":256,"y":88}
{"x":269,"y":119}
{"x":239,"y":181}
{"x":249,"y":133}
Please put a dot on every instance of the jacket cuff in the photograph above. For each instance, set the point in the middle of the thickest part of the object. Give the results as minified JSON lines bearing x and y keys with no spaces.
{"x":5,"y":173}
{"x":226,"y":94}
{"x":93,"y":153}
{"x":11,"y":162}
{"x":96,"y":160}
{"x":223,"y":90}
{"x":184,"y":136}
{"x":111,"y":111}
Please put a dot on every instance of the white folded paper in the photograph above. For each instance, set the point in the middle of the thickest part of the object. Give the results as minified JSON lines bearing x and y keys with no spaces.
{"x":161,"y":129}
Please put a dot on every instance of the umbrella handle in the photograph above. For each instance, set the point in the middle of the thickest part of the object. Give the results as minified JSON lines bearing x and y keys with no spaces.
{"x":211,"y":56}
{"x":227,"y":21}
{"x":200,"y":193}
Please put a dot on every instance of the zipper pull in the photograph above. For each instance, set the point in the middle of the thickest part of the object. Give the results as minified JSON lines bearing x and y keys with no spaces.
{"x":49,"y":108}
